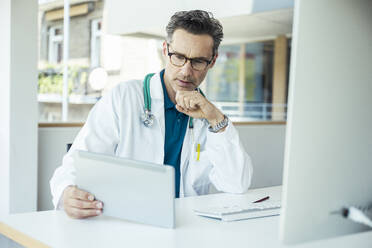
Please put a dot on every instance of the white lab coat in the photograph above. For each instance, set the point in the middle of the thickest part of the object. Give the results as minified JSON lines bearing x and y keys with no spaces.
{"x":114,"y":127}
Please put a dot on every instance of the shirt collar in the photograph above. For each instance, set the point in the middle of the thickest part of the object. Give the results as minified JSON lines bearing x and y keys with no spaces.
{"x":168,"y":104}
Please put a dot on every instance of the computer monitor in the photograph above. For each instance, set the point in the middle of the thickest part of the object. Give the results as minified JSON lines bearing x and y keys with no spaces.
{"x":328,"y":150}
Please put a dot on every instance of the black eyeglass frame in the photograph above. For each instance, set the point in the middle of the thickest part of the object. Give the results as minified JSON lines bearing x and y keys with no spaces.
{"x":189,"y":59}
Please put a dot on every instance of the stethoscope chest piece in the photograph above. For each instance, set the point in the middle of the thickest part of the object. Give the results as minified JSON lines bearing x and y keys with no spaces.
{"x":148,"y":118}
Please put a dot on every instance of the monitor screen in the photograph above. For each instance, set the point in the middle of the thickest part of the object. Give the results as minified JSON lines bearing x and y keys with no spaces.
{"x":328,"y":150}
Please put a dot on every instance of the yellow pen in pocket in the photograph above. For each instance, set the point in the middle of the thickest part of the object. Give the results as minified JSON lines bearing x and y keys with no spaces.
{"x":197,"y":152}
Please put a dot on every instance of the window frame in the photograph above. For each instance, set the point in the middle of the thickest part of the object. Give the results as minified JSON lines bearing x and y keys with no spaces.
{"x":53,"y":40}
{"x":96,"y":34}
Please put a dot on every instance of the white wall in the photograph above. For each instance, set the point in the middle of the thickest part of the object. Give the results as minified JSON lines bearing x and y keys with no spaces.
{"x":52,"y":147}
{"x":18,"y":111}
{"x":264,"y":143}
{"x":5,"y":105}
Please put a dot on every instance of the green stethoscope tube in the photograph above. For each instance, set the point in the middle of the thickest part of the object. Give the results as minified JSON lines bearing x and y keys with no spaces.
{"x":146,"y":91}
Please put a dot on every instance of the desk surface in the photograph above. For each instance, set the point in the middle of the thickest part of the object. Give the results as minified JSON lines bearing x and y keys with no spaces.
{"x":56,"y":229}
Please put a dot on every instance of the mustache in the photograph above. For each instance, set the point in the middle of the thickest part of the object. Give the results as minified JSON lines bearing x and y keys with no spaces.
{"x":186,"y":79}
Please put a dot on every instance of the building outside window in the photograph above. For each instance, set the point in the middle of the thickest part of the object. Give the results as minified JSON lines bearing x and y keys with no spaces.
{"x":55,"y":52}
{"x":95,"y":43}
{"x":241,"y":81}
{"x":91,"y":50}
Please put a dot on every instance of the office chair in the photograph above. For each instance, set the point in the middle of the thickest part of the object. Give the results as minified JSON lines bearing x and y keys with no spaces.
{"x":68,"y":146}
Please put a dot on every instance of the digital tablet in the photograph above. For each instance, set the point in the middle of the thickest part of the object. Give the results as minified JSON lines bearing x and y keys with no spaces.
{"x":129,"y":189}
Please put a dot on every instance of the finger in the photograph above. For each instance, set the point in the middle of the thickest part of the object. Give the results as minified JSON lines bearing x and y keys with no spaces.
{"x":180,"y":109}
{"x":85,"y":204}
{"x":81,"y":194}
{"x":192,"y":99}
{"x":178,"y":95}
{"x":181,"y":102}
{"x":187,"y":102}
{"x":180,"y":98}
{"x":198,"y":99}
{"x":193,"y":104}
{"x":78,"y":213}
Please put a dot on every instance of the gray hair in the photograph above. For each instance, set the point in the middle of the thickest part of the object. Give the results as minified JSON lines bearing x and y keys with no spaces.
{"x":196,"y":22}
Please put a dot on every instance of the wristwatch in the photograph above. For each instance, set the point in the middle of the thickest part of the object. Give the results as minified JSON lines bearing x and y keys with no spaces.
{"x":221,"y":125}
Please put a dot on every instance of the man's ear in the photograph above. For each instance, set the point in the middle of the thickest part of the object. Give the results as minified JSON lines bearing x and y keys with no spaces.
{"x":165,"y":52}
{"x":213,"y":61}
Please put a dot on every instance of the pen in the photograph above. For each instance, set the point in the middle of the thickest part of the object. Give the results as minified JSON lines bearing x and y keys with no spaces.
{"x":198,"y":152}
{"x":263,"y":199}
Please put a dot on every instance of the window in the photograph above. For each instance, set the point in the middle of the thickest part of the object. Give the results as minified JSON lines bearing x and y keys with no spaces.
{"x":95,"y":43}
{"x":55,"y":53}
{"x":241,"y":81}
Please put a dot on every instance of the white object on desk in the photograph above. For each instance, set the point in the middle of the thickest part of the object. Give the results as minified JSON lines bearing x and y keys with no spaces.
{"x":132,"y":190}
{"x":232,"y":212}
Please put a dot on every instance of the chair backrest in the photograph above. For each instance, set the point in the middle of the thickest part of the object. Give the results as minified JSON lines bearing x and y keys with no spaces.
{"x":68,"y":146}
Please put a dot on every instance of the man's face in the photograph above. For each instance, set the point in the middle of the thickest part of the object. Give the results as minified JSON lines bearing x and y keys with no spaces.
{"x":191,"y":46}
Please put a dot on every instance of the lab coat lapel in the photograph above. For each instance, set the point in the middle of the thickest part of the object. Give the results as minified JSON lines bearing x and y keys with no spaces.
{"x":157,"y":102}
{"x":187,"y":143}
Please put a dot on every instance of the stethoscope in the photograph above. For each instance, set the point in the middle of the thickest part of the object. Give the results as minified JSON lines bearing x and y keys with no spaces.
{"x":148,"y":117}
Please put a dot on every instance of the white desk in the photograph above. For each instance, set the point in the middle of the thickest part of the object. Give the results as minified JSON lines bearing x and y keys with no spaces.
{"x":55,"y":229}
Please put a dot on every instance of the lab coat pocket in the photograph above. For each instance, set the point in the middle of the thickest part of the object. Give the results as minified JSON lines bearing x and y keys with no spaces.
{"x":199,"y":169}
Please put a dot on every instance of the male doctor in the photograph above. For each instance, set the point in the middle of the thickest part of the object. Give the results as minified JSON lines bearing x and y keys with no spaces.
{"x":204,"y":149}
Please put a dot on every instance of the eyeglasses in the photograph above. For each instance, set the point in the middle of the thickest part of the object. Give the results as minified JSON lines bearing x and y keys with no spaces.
{"x":198,"y":64}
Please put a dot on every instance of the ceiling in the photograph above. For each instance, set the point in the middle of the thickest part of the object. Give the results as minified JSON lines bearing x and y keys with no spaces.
{"x":258,"y":26}
{"x":249,"y":27}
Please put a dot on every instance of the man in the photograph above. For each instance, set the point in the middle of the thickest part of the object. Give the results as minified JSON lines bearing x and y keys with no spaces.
{"x":205,"y":150}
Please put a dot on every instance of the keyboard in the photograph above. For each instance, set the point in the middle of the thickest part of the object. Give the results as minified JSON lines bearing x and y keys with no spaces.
{"x":241,"y":211}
